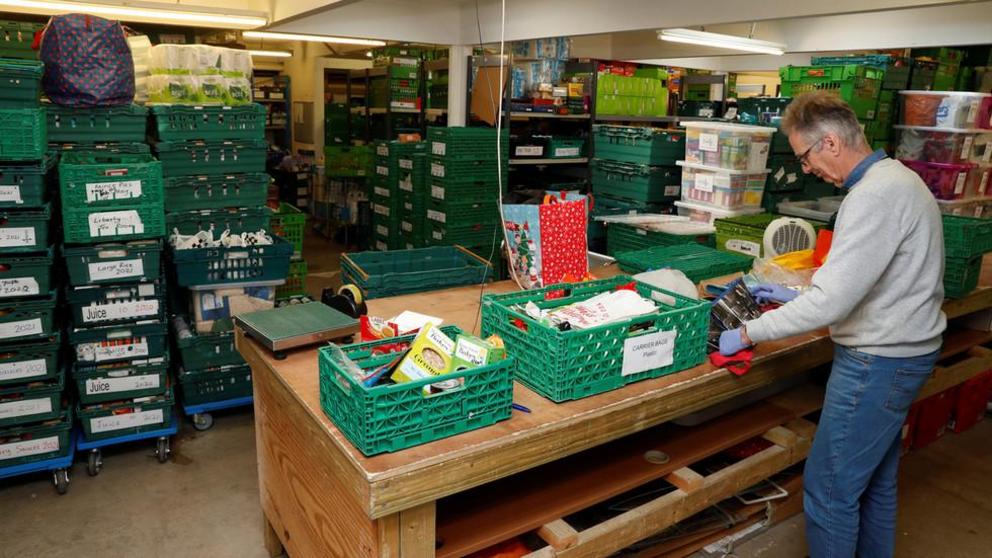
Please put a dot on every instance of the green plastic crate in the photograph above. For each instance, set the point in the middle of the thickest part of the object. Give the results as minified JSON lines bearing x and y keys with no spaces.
{"x":34,"y":402}
{"x":451,"y":143}
{"x":26,"y":185}
{"x":24,"y":136}
{"x":114,"y":419}
{"x":462,"y":170}
{"x":25,"y":276}
{"x":16,"y":38}
{"x":565,"y":365}
{"x":459,"y":212}
{"x":118,"y":224}
{"x":393,"y":417}
{"x":465,"y":234}
{"x":20,"y":82}
{"x":223,"y":266}
{"x":96,"y":305}
{"x":786,"y":174}
{"x":966,"y":237}
{"x":108,"y":180}
{"x":136,"y":261}
{"x":413,"y":271}
{"x":190,"y":193}
{"x":961,"y":275}
{"x":639,"y":145}
{"x":393,"y":150}
{"x":744,"y":234}
{"x":608,"y":205}
{"x":97,"y":125}
{"x":234,"y":219}
{"x":636,"y":182}
{"x":184,"y":158}
{"x":37,"y":441}
{"x":296,"y":281}
{"x":289,"y":222}
{"x":104,"y":148}
{"x":120,"y":380}
{"x":30,"y":361}
{"x":696,"y":261}
{"x":623,"y":237}
{"x":347,"y":160}
{"x":204,"y":350}
{"x":464,"y":191}
{"x":858,"y":85}
{"x":116,"y":343}
{"x":211,"y":385}
{"x":28,"y":319}
{"x":24,"y":230}
{"x":181,"y":123}
{"x":566,"y":148}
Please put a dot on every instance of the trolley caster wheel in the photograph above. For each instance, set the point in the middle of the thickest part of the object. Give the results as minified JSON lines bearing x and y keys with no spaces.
{"x":279,"y":355}
{"x":60,"y":477}
{"x":94,"y":463}
{"x":203,"y":421}
{"x":162,"y":450}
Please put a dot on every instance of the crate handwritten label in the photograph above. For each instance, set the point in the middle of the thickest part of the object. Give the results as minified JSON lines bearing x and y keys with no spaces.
{"x":436,"y":216}
{"x":111,"y":350}
{"x":19,"y":286}
{"x":437,"y":235}
{"x":709,"y":142}
{"x":438,"y":148}
{"x":406,"y":184}
{"x":381,"y":246}
{"x":383,"y":230}
{"x":641,"y":232}
{"x":25,"y":408}
{"x":121,"y":190}
{"x":129,"y":420}
{"x":567,"y":151}
{"x":672,"y":191}
{"x":985,"y":183}
{"x":407,"y":227}
{"x":11,"y":194}
{"x":959,"y":184}
{"x":120,"y":310}
{"x":382,"y":150}
{"x":380,"y":191}
{"x":407,"y":206}
{"x":381,"y":210}
{"x":744,"y":247}
{"x":384,"y":171}
{"x":529,"y":151}
{"x":11,"y":237}
{"x":437,"y":192}
{"x":972,"y":112}
{"x":966,"y":147}
{"x":437,"y":170}
{"x":23,"y":369}
{"x":704,"y":182}
{"x":112,"y":223}
{"x":97,"y":386}
{"x":26,"y":448}
{"x":406,"y":164}
{"x":21,"y":328}
{"x":987,"y":156}
{"x":102,"y":271}
{"x":648,"y":352}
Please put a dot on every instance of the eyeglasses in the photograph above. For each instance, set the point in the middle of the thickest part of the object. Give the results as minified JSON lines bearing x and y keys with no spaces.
{"x":803,"y":158}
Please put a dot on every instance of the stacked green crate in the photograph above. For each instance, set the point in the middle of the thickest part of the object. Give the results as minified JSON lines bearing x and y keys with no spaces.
{"x":400,"y":87}
{"x":289,"y":222}
{"x":948,"y":61}
{"x":397,"y":194}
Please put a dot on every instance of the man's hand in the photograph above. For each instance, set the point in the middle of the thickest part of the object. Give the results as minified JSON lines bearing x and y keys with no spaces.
{"x":733,"y":341}
{"x":768,"y":292}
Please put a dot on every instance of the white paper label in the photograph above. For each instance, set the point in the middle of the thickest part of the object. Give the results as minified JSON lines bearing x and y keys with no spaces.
{"x":110,"y":223}
{"x":987,"y":156}
{"x":19,"y":286}
{"x":438,"y":148}
{"x":959,"y":185}
{"x":672,"y":191}
{"x":648,"y":352}
{"x":101,"y":271}
{"x":567,"y":151}
{"x":380,"y":246}
{"x":704,"y":182}
{"x":382,"y":210}
{"x":972,"y":113}
{"x":791,"y":177}
{"x":437,"y":170}
{"x":984,"y":184}
{"x":529,"y":151}
{"x":129,"y":420}
{"x":437,"y":192}
{"x":407,"y":227}
{"x":100,"y":352}
{"x":21,"y":328}
{"x":121,"y":190}
{"x":382,"y":150}
{"x":384,"y":231}
{"x":437,"y":235}
{"x":23,"y":369}
{"x":10,"y":194}
{"x":966,"y":147}
{"x":406,"y":164}
{"x":979,"y":210}
{"x":709,"y":142}
{"x":119,"y":310}
{"x":778,"y":175}
{"x":641,"y":232}
{"x":435,"y":216}
{"x":744,"y":247}
{"x":407,"y":206}
{"x":17,"y":236}
{"x":406,"y":185}
{"x":380,"y":191}
{"x":384,"y":171}
{"x":25,"y":407}
{"x":25,"y":448}
{"x":129,"y":383}
{"x":757,"y":155}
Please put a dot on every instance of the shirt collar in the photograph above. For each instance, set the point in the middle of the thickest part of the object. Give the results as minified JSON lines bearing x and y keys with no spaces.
{"x":859,"y":171}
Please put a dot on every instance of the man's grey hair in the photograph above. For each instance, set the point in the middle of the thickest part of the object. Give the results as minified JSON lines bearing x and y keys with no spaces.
{"x":817,"y":113}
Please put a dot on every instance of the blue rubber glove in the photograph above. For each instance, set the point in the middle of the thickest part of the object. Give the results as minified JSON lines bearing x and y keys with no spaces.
{"x":731,"y":342}
{"x":769,"y":292}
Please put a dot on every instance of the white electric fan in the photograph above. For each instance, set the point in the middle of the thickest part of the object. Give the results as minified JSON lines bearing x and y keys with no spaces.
{"x":788,"y":234}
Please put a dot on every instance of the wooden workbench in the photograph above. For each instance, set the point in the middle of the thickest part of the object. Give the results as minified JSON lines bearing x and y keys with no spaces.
{"x":322,"y":497}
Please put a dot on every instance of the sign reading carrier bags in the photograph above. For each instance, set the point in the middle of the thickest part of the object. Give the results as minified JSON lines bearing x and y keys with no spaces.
{"x":648,"y":352}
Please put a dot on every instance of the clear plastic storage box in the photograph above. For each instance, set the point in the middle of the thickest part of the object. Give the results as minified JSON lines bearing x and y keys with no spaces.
{"x":945,"y":109}
{"x":943,"y":145}
{"x":723,"y":188}
{"x":951,"y":181}
{"x":728,"y":146}
{"x":702,"y":213}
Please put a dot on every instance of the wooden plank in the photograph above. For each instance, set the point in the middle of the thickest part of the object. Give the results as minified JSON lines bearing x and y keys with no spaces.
{"x":943,"y":378}
{"x":389,"y":536}
{"x":685,"y":479}
{"x":417,"y":530}
{"x":961,"y":340}
{"x":558,"y":534}
{"x":979,"y":299}
{"x":273,"y":546}
{"x":781,"y":436}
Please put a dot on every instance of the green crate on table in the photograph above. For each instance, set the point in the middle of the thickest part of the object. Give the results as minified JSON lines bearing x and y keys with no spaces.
{"x":458,"y":212}
{"x":43,"y":441}
{"x":120,"y":380}
{"x":961,"y":275}
{"x":28,"y":319}
{"x":189,"y":193}
{"x":95,"y":305}
{"x":289,"y":222}
{"x":635,"y":182}
{"x":965,"y":237}
{"x":214,"y":384}
{"x":180,"y":123}
{"x":183,"y":158}
{"x":858,"y":85}
{"x":466,"y":143}
{"x":25,"y":275}
{"x":20,"y":82}
{"x":393,"y":417}
{"x":30,"y":361}
{"x":114,"y":263}
{"x":108,"y":180}
{"x":116,"y":343}
{"x":744,"y":234}
{"x":34,"y":402}
{"x":114,"y":419}
{"x":412,"y":271}
{"x":24,"y":230}
{"x":564,"y":365}
{"x":347,"y":160}
{"x":24,"y":137}
{"x":120,"y":223}
{"x":696,"y":261}
{"x":204,"y":350}
{"x":465,"y":234}
{"x":97,"y":124}
{"x":634,"y":144}
{"x":296,"y":281}
{"x":222,"y":266}
{"x":234,"y":219}
{"x":26,"y":185}
{"x":625,"y":237}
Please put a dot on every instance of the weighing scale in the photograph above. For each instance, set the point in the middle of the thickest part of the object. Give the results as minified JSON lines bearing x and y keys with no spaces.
{"x":296,"y":325}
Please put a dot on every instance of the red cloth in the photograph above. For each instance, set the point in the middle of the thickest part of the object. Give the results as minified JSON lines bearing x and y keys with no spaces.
{"x":738,"y":363}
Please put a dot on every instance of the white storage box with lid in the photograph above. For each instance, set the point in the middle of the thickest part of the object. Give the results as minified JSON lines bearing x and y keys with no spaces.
{"x":818,"y":210}
{"x":943,"y":145}
{"x":945,"y":109}
{"x":723,"y":188}
{"x":702,"y":213}
{"x":728,"y":146}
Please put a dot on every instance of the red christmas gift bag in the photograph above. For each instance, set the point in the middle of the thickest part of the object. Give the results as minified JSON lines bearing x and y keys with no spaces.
{"x":546,"y":242}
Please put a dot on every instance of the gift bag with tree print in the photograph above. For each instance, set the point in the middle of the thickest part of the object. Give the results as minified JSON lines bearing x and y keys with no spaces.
{"x":547,"y":242}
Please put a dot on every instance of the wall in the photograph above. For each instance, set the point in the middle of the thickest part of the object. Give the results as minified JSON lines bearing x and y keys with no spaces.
{"x":770,"y":81}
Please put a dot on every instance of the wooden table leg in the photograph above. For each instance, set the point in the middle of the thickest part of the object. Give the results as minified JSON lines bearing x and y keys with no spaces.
{"x":417,"y":531}
{"x":272,"y":543}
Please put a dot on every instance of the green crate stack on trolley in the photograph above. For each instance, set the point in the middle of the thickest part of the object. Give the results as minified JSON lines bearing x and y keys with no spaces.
{"x":398,"y":195}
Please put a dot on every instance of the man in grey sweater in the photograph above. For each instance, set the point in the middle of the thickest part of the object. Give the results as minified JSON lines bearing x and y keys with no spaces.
{"x":880,"y":292}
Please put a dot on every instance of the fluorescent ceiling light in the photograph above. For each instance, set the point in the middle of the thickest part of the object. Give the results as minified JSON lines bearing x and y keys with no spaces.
{"x":271,"y":53}
{"x":717,"y":40}
{"x":309,"y":38}
{"x":146,"y":11}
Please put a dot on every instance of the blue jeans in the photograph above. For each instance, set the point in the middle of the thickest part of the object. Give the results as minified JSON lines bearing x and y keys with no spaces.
{"x":850,"y":480}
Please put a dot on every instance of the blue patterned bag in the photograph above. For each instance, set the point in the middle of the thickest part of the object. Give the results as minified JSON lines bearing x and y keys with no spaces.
{"x":87,"y":62}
